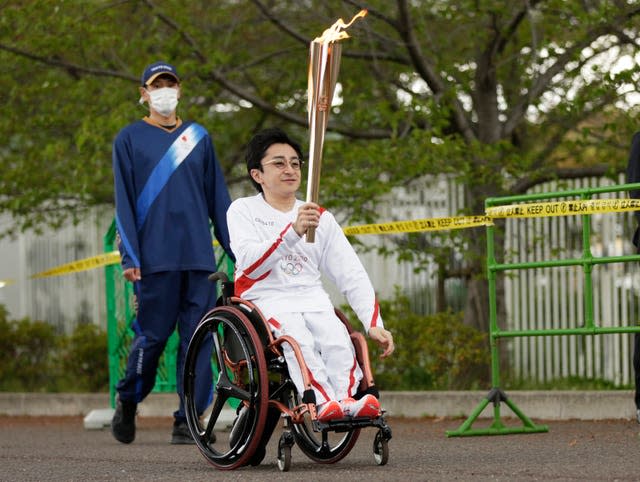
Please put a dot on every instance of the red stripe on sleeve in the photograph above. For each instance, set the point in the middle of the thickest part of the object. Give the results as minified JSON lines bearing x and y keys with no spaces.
{"x":267,"y":253}
{"x":374,"y":318}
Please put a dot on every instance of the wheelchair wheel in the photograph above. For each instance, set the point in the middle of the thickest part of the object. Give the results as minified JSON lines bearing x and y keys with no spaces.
{"x":238,"y":360}
{"x":380,"y":449}
{"x":325,"y":447}
{"x":284,"y":453}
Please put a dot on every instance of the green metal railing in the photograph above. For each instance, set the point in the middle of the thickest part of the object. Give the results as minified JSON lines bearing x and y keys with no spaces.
{"x":120,"y":314}
{"x":586,"y":261}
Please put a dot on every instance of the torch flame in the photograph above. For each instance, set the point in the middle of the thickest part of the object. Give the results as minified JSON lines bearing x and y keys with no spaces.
{"x":324,"y":64}
{"x":335,"y":32}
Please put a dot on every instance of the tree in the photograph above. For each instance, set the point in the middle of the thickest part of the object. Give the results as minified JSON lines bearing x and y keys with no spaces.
{"x":501,"y":95}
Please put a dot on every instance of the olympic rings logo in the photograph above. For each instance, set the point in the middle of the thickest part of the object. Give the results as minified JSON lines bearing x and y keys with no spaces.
{"x":292,"y":264}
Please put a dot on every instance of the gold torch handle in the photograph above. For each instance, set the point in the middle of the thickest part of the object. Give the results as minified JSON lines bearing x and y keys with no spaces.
{"x":315,"y":166}
{"x":324,"y":64}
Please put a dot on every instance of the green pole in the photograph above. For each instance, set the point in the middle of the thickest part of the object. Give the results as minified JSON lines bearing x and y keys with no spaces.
{"x":587,"y":267}
{"x":112,"y":331}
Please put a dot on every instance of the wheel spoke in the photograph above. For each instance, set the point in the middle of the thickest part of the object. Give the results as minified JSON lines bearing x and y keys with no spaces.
{"x":216,"y":409}
{"x":222,"y":375}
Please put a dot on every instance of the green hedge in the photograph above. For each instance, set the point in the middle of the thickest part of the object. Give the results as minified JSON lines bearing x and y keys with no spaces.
{"x":34,"y":358}
{"x":433,"y":352}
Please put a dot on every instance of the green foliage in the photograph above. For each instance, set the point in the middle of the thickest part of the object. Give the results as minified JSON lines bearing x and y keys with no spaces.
{"x":416,"y":96}
{"x":28,"y":352}
{"x":85,"y":359}
{"x":433,"y":352}
{"x":7,"y":362}
{"x":526,"y":100}
{"x":33,"y":358}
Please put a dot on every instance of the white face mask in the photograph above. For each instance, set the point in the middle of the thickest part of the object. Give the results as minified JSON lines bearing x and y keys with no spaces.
{"x":164,"y":101}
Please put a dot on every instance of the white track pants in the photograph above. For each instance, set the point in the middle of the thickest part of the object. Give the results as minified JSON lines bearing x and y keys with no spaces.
{"x":326,"y":348}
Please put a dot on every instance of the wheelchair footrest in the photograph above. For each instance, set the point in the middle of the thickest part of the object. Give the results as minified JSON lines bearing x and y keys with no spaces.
{"x":347,"y":424}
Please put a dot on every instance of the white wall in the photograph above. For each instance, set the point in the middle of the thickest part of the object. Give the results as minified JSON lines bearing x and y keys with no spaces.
{"x":61,"y":300}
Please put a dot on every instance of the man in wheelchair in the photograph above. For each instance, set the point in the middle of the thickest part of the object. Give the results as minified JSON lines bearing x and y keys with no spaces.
{"x":278,"y":271}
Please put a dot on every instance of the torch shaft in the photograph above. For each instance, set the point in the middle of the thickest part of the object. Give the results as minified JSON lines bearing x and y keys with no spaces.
{"x":324,"y":62}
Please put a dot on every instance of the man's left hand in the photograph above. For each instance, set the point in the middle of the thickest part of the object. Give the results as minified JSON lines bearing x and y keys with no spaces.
{"x":384,"y":338}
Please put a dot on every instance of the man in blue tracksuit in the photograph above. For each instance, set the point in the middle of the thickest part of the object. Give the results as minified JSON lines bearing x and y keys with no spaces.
{"x":168,"y":185}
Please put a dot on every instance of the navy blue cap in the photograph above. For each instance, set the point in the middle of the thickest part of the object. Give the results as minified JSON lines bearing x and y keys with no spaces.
{"x":155,"y":69}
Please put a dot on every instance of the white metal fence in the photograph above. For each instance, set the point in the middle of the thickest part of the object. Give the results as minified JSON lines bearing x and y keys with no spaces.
{"x":63,"y":301}
{"x":427,"y":197}
{"x":547,"y":298}
{"x":535,"y":298}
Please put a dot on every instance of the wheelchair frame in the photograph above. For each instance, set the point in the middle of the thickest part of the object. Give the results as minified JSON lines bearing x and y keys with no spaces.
{"x":251,"y":368}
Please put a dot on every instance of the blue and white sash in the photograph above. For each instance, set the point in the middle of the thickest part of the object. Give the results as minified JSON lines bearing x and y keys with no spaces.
{"x":177,"y":152}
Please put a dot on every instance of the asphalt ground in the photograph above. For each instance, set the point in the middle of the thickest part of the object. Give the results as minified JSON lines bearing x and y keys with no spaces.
{"x":60,"y":449}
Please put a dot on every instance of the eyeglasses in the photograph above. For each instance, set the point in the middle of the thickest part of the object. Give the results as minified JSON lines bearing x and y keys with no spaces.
{"x":281,"y":163}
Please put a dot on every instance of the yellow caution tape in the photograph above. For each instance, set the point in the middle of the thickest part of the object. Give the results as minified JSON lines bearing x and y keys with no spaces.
{"x":418,"y":225}
{"x":81,"y":265}
{"x":6,"y":282}
{"x":563,"y":208}
{"x":85,"y":264}
{"x":523,"y":210}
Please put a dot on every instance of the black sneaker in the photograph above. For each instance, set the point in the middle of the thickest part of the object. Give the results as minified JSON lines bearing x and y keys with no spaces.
{"x":123,"y":423}
{"x":181,"y":434}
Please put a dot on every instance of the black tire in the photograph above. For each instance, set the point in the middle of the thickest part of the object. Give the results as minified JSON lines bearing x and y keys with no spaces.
{"x":273,"y":417}
{"x":239,"y":362}
{"x":284,"y":456}
{"x":380,"y":449}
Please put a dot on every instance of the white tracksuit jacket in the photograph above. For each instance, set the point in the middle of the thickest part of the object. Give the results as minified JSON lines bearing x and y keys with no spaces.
{"x":281,"y":273}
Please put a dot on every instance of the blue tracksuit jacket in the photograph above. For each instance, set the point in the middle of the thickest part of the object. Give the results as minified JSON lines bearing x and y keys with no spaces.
{"x":167,"y":187}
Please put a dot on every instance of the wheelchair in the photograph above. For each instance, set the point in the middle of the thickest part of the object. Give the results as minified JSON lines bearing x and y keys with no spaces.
{"x":251,"y":375}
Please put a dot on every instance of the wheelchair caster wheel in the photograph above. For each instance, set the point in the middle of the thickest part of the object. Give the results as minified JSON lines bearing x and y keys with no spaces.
{"x":380,"y":449}
{"x":284,"y":454}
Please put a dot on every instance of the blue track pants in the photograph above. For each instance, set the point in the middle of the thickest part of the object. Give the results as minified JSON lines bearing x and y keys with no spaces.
{"x":164,"y":300}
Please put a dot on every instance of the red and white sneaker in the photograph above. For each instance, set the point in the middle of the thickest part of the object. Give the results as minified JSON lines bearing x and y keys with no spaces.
{"x":368,"y":406}
{"x":328,"y":411}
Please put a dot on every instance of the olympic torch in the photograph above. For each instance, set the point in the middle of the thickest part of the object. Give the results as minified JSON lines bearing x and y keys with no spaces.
{"x":324,"y":65}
